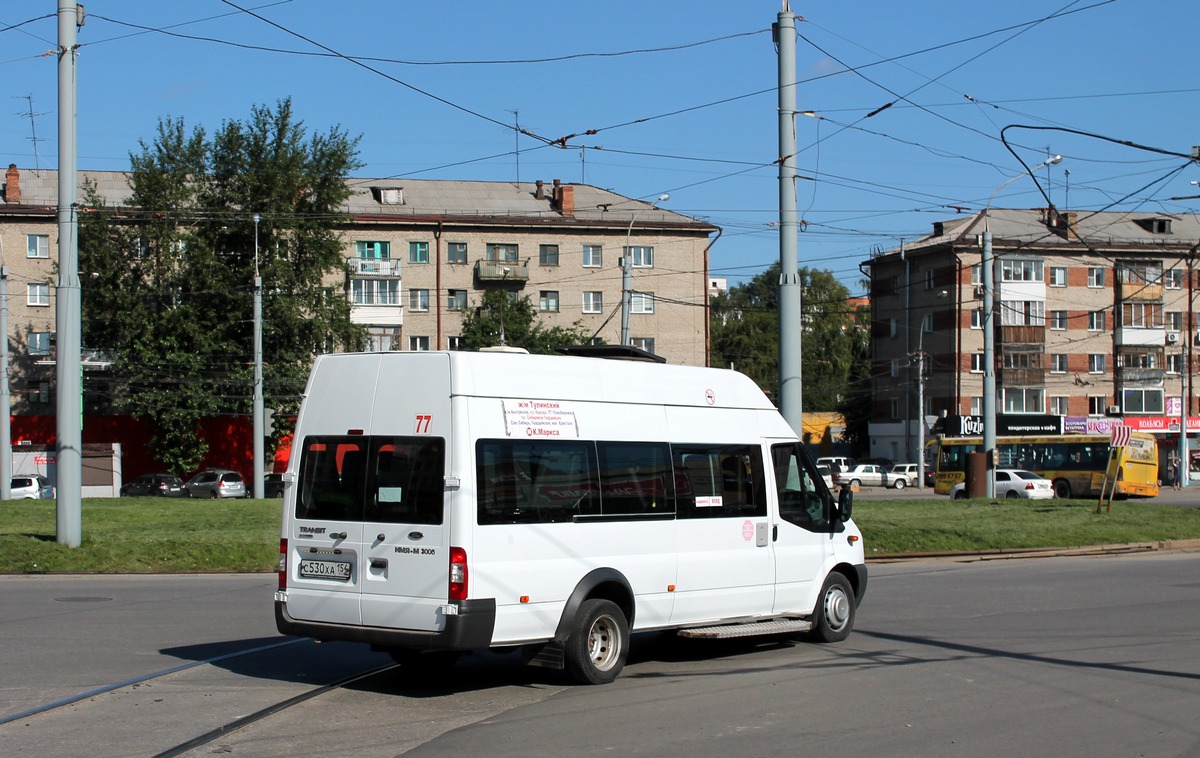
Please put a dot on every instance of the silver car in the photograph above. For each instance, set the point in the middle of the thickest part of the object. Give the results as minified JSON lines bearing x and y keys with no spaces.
{"x":216,"y":482}
{"x":30,"y":487}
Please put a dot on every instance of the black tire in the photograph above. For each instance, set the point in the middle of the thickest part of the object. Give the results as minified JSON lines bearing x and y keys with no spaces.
{"x":212,"y":494}
{"x":855,"y":483}
{"x":598,"y":644}
{"x":960,"y":495}
{"x":900,"y":484}
{"x":1062,"y":489}
{"x":833,"y":618}
{"x":1011,"y":495}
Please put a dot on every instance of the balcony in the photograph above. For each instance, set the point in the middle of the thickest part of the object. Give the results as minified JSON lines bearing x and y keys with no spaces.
{"x":1022,"y":377}
{"x":1141,"y":377}
{"x":374,"y":267}
{"x":1023,"y":335}
{"x":499,"y":271}
{"x":1139,"y":292}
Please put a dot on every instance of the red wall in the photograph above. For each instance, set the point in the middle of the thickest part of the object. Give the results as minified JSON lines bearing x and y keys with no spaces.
{"x":230,"y":442}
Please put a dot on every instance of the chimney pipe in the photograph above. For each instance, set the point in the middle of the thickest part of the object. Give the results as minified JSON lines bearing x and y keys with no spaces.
{"x":12,"y":185}
{"x":539,"y":189}
{"x":566,"y":205}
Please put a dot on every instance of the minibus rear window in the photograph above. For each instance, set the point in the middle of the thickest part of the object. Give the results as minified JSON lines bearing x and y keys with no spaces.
{"x":373,"y":479}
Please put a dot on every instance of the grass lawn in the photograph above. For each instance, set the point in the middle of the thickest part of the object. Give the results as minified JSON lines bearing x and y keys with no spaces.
{"x":122,"y":535}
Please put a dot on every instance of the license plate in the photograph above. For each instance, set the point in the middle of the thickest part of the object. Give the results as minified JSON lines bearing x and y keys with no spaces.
{"x":324,"y":569}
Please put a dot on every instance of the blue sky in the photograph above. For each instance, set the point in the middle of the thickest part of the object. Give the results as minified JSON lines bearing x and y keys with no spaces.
{"x":681,"y":95}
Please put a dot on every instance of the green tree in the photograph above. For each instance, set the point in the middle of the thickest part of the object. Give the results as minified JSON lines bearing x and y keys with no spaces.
{"x":169,"y":277}
{"x":522,"y":328}
{"x":745,"y":335}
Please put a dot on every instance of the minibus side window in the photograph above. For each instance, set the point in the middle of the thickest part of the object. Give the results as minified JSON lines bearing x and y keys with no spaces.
{"x":635,"y":478}
{"x":405,"y":483}
{"x":535,"y":482}
{"x":714,"y":481}
{"x":330,"y":484}
{"x":801,"y":501}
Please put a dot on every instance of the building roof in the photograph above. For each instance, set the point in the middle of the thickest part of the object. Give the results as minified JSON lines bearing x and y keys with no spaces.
{"x":1052,"y":227}
{"x":423,"y":200}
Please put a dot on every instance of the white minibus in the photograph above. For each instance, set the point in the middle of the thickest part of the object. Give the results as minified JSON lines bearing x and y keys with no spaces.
{"x":443,"y":502}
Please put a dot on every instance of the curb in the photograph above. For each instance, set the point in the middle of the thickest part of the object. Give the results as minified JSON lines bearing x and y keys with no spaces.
{"x":1036,"y":552}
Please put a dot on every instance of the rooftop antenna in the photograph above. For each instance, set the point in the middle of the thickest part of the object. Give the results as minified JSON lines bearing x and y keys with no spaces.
{"x":517,"y":140}
{"x":583,"y":165}
{"x":1067,"y":188}
{"x":1049,"y":155}
{"x":30,"y":114}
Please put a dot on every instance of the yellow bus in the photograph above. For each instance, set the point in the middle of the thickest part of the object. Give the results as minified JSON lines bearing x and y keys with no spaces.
{"x":1075,"y":463}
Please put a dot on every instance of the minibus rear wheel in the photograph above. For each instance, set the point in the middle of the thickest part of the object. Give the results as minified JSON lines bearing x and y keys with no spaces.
{"x":599,"y":642}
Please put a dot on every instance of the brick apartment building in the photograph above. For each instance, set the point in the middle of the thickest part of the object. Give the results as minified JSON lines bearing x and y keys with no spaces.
{"x":419,"y":254}
{"x":1095,"y":321}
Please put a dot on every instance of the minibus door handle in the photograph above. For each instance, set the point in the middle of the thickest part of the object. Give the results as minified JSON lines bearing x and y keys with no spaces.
{"x":775,"y":533}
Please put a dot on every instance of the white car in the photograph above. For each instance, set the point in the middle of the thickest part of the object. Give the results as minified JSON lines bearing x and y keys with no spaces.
{"x":30,"y":487}
{"x":904,"y":475}
{"x":867,"y":474}
{"x":1014,"y":483}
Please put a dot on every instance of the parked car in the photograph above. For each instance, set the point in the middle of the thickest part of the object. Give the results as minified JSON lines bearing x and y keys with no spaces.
{"x":836,"y":463}
{"x":826,"y":474}
{"x":30,"y":487}
{"x":216,"y":482}
{"x":273,"y":485}
{"x":868,"y":474}
{"x":1013,"y":483}
{"x":904,"y":475}
{"x":157,"y":485}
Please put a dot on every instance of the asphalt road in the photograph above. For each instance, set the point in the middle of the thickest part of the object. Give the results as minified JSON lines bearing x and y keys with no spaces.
{"x":1075,"y":656}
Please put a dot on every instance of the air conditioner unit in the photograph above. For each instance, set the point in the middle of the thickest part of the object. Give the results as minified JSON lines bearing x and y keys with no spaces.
{"x":1114,"y":410}
{"x":1172,"y":337}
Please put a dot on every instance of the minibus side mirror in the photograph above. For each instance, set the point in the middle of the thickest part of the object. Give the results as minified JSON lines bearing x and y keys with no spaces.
{"x":845,"y":504}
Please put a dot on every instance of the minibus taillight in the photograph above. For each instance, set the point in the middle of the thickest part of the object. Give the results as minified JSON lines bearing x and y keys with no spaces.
{"x":458,"y":573}
{"x":283,"y":563}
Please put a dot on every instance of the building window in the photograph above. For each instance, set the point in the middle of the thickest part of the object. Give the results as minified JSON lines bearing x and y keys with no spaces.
{"x":39,"y":343}
{"x":1023,"y":313}
{"x":418,"y":252}
{"x":593,"y":256}
{"x":1173,"y":278}
{"x":1058,"y":320}
{"x":976,"y":406}
{"x":548,"y":255}
{"x":1145,"y":315}
{"x":927,"y":323}
{"x":643,"y":343}
{"x":37,"y":294}
{"x":418,"y":344}
{"x":1096,"y":363}
{"x":976,"y":275}
{"x":1140,"y":272}
{"x":894,"y":406}
{"x":976,"y":363}
{"x":456,"y":252}
{"x":1139,"y":358}
{"x":891,"y":327}
{"x":381,"y":251}
{"x":1058,"y":276}
{"x":501,"y":253}
{"x":1058,"y":363}
{"x":895,"y":367}
{"x":1095,"y":276}
{"x":977,"y":318}
{"x":642,"y":302}
{"x":418,"y":300}
{"x":1059,"y":405}
{"x":642,"y":256}
{"x":593,"y":302}
{"x":1020,"y":271}
{"x":1143,"y":401}
{"x":1175,"y":321}
{"x":1096,"y":321}
{"x":1174,"y":363}
{"x":382,"y":340}
{"x":454,"y":343}
{"x":929,"y":279}
{"x":1024,"y":400}
{"x":1096,"y":405}
{"x":37,"y":246}
{"x":456,"y":300}
{"x":375,"y":291}
{"x":548,"y":300}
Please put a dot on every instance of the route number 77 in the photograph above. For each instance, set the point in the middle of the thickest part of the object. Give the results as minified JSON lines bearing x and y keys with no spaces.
{"x":423,"y":423}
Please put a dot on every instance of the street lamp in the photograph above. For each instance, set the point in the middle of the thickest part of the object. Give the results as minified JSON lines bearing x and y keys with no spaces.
{"x":987,"y":276}
{"x":627,"y":271}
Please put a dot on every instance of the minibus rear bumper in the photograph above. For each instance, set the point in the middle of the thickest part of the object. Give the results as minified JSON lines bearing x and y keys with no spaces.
{"x":470,"y":629}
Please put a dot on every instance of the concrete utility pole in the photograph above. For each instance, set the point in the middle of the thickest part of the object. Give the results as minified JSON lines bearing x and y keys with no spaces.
{"x":791,"y":328}
{"x":259,"y":425}
{"x":5,"y":404}
{"x":68,"y":310}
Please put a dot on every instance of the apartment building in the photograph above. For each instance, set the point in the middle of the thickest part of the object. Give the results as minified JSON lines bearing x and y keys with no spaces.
{"x":419,"y":256}
{"x":1094,"y":321}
